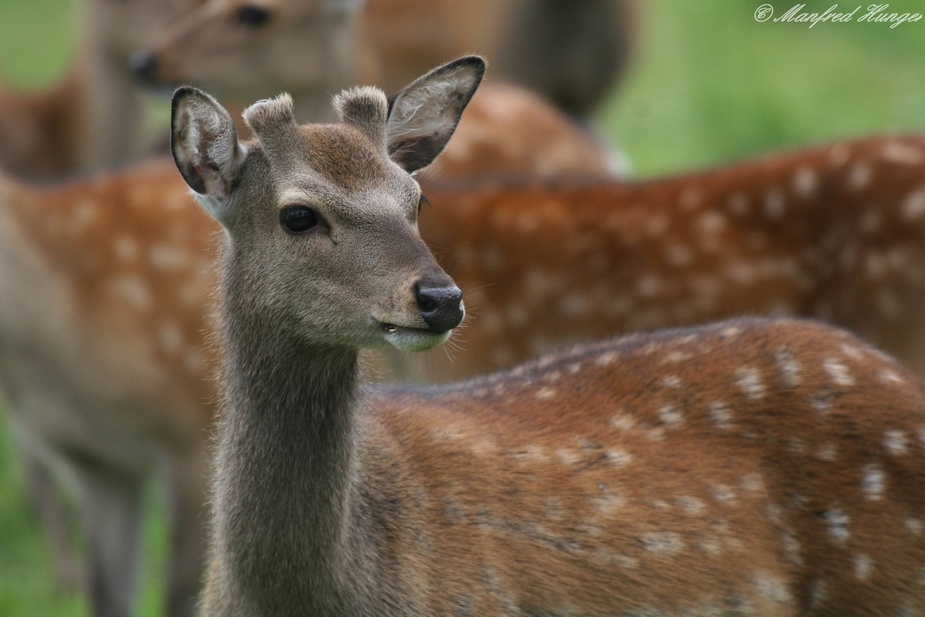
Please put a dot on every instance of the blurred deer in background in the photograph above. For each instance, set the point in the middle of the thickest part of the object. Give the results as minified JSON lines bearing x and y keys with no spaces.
{"x":95,"y":117}
{"x":105,"y":287}
{"x":748,"y":467}
{"x":571,"y":53}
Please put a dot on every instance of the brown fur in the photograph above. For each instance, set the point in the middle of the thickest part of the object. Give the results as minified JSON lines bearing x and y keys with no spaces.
{"x":745,"y":468}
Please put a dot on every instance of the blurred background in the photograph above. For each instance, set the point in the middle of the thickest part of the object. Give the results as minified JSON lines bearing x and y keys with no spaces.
{"x":707,"y":84}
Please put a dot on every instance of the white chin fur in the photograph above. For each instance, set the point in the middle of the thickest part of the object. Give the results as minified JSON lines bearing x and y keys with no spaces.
{"x":412,"y":339}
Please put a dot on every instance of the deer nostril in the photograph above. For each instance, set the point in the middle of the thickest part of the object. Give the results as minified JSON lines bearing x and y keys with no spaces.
{"x":143,"y":64}
{"x":441,"y":307}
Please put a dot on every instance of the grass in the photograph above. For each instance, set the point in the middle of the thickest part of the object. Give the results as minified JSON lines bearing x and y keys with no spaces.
{"x":709,"y":85}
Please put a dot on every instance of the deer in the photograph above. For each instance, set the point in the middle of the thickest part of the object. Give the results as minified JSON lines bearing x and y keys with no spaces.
{"x":828,"y":232}
{"x":749,"y":467}
{"x":573,"y":54}
{"x":170,"y":412}
{"x":97,"y":116}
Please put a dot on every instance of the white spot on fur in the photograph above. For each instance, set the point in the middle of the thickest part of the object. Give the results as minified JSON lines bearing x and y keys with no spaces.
{"x":720,"y":415}
{"x":567,"y":456}
{"x":165,"y":257}
{"x":606,"y":358}
{"x":899,"y":152}
{"x":896,"y":442}
{"x":859,"y":176}
{"x":789,"y":367}
{"x":827,"y":452}
{"x":723,"y":493}
{"x":838,"y":372}
{"x":608,"y":503}
{"x":837,"y":525}
{"x":710,"y":222}
{"x":691,"y":505}
{"x":618,"y":458}
{"x":805,"y":182}
{"x":134,"y":290}
{"x":663,"y":542}
{"x":671,"y":381}
{"x":863,"y":566}
{"x":670,"y":415}
{"x":772,"y":588}
{"x":913,"y":205}
{"x":873,"y":481}
{"x":545,"y":393}
{"x":914,"y":525}
{"x":749,"y":381}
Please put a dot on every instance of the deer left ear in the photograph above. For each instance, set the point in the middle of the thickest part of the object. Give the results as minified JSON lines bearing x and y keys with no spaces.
{"x":423,"y":116}
{"x":205,"y":147}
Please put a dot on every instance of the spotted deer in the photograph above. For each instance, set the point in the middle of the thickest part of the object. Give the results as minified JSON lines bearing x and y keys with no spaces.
{"x":830,"y":232}
{"x":135,"y":279}
{"x":749,"y":467}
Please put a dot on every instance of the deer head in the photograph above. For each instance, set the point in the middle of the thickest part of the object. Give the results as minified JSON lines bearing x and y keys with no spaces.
{"x":309,"y":208}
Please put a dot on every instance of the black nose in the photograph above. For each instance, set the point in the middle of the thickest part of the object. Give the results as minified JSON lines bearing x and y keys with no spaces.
{"x":143,"y":64}
{"x":441,"y":306}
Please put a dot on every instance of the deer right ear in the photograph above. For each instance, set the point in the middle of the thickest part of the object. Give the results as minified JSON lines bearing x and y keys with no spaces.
{"x":423,"y":116}
{"x":205,"y":147}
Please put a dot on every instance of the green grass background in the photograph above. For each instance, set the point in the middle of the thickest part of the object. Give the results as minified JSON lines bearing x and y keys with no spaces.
{"x":708,"y":85}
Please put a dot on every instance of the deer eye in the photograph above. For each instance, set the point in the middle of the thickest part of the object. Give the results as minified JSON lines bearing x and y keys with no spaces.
{"x":253,"y":16}
{"x":298,"y":219}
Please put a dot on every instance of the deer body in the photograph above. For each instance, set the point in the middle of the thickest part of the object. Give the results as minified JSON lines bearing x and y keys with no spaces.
{"x":749,"y":467}
{"x":672,"y":472}
{"x":831,"y":232}
{"x":93,"y":402}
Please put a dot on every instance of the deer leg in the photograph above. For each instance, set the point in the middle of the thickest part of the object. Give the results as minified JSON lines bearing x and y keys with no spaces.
{"x":111,"y":505}
{"x":186,"y":490}
{"x":51,"y":509}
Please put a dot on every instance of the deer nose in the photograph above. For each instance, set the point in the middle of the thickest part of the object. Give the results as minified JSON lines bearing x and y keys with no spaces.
{"x":143,"y":64}
{"x":440,"y":306}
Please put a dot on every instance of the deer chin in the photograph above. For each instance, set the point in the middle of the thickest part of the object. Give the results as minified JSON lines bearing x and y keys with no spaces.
{"x":410,"y":338}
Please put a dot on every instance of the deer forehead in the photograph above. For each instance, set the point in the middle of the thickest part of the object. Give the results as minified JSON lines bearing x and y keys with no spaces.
{"x":338,"y":167}
{"x":349,"y":157}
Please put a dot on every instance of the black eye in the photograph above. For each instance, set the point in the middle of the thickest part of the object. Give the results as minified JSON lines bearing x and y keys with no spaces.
{"x":298,"y":219}
{"x":253,"y":16}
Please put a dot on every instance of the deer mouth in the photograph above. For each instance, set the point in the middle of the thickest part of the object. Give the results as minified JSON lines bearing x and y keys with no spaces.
{"x":412,"y":339}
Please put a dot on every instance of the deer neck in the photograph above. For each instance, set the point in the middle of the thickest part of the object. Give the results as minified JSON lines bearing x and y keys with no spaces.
{"x":287,"y":434}
{"x":112,"y":111}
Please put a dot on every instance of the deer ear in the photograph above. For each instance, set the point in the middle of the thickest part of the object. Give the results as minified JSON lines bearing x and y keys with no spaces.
{"x":205,"y":147}
{"x":423,"y":116}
